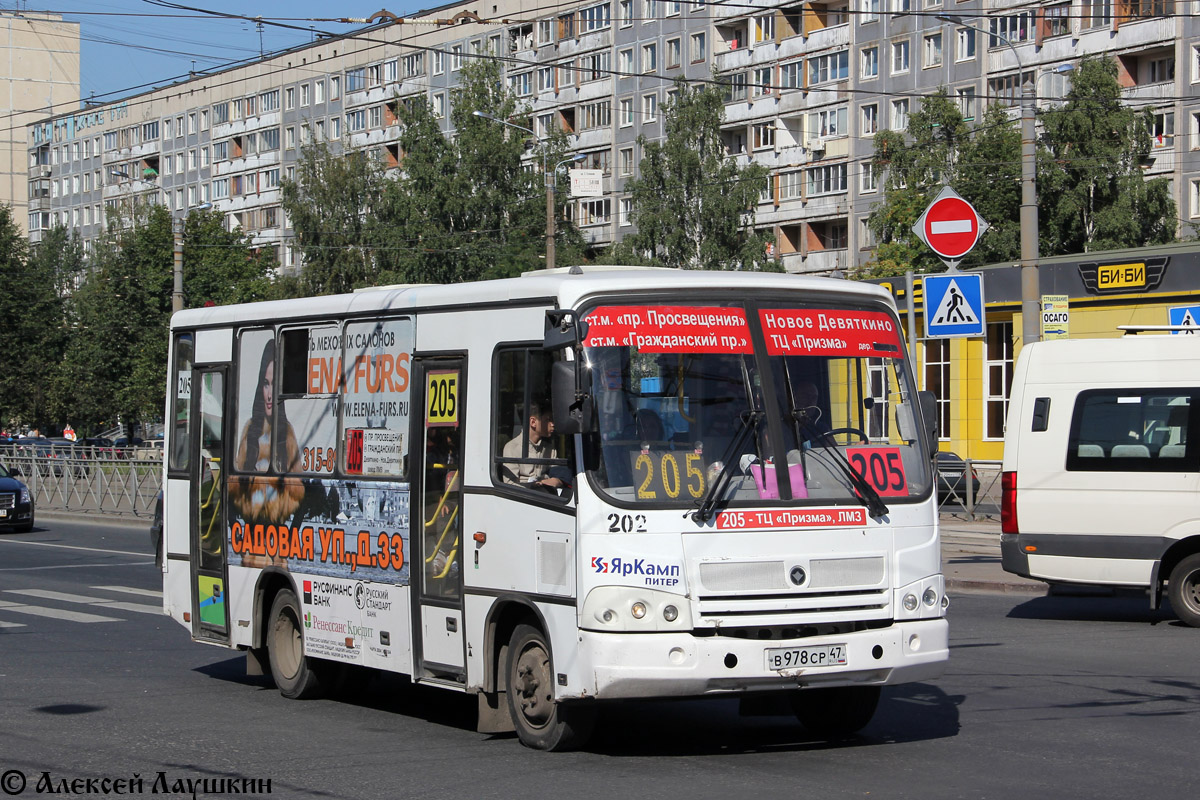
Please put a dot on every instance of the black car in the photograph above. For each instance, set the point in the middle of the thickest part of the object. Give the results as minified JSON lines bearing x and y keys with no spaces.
{"x":951,"y":478}
{"x":16,"y":503}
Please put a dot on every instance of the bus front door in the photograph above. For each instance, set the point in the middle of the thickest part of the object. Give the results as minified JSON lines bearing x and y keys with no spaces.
{"x":210,"y":614}
{"x":436,"y":515}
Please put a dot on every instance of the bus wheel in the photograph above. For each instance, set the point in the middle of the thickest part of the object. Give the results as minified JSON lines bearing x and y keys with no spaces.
{"x":1185,"y":590}
{"x":832,"y":713}
{"x":541,"y":723}
{"x":292,"y":671}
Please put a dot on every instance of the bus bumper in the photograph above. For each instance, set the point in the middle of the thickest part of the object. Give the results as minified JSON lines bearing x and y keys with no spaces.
{"x":624,"y":665}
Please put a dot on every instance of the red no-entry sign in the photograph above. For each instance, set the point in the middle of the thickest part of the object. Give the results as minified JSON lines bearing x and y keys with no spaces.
{"x":950,"y":226}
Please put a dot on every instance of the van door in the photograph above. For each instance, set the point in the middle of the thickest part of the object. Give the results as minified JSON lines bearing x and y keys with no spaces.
{"x":438,"y":389}
{"x":210,"y":614}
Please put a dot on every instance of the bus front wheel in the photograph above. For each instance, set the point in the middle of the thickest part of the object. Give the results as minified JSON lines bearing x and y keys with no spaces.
{"x":833,"y":713}
{"x":541,"y":723}
{"x":292,"y":671}
{"x":1185,"y":590}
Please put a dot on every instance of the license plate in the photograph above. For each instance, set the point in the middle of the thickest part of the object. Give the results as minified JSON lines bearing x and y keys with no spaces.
{"x":3,"y":512}
{"x":826,"y":655}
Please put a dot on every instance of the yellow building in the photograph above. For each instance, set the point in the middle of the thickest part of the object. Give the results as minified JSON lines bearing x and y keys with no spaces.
{"x":971,"y":377}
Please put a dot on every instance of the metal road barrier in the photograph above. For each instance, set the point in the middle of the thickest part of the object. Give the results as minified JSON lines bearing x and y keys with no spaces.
{"x":965,"y":501}
{"x":121,"y":483}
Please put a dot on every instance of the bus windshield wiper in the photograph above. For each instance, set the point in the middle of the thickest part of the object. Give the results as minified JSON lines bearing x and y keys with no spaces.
{"x":704,"y":512}
{"x":865,"y":491}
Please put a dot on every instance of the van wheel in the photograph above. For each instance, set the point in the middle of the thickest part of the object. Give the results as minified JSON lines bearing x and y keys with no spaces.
{"x":1185,"y":590}
{"x":541,"y":723}
{"x":292,"y":671}
{"x":834,"y":713}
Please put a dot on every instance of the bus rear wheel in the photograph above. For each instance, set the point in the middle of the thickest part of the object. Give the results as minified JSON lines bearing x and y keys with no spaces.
{"x":541,"y":723}
{"x":292,"y":671}
{"x":1185,"y":590}
{"x":838,"y":712}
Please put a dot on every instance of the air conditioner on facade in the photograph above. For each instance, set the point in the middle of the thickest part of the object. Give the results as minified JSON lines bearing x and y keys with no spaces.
{"x":816,"y":144}
{"x":45,"y":172}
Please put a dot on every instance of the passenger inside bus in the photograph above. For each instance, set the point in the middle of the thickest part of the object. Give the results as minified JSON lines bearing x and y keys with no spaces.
{"x":532,"y":447}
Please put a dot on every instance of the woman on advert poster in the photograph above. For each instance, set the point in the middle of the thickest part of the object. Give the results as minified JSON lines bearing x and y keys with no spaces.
{"x":274,"y":498}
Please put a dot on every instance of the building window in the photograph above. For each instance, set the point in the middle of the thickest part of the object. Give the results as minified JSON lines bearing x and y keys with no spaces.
{"x":649,"y":108}
{"x":1057,"y":19}
{"x":966,"y":45}
{"x":1097,"y":13}
{"x":1163,"y":129}
{"x":456,"y":57}
{"x":595,"y":212}
{"x":870,"y":11}
{"x":626,"y":161}
{"x":829,"y":179}
{"x":319,"y":92}
{"x":870,"y":62}
{"x":673,"y":53}
{"x":1162,"y":70}
{"x":625,"y":211}
{"x":625,"y":112}
{"x":870,"y":119}
{"x":933,"y":50}
{"x":966,"y":102}
{"x":762,"y":29}
{"x":760,"y":86}
{"x":937,"y":380}
{"x":595,"y":18}
{"x":697,"y":49}
{"x":899,"y":57}
{"x":764,"y":135}
{"x":649,"y":57}
{"x":868,"y":179}
{"x":998,"y":369}
{"x":289,"y":98}
{"x":1011,"y":27}
{"x":900,"y":115}
{"x":830,"y":67}
{"x":828,"y":123}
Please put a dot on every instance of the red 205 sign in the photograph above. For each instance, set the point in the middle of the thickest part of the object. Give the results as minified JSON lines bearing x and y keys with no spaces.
{"x":882,"y":467}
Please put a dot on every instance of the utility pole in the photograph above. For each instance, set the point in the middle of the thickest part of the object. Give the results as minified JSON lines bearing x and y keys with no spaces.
{"x":177,"y":292}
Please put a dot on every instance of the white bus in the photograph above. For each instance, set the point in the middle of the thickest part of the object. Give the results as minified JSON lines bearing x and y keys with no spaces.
{"x":560,"y":489}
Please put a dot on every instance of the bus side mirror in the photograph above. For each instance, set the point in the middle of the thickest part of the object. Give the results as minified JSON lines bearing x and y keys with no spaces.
{"x":571,"y":406}
{"x":929,"y":416}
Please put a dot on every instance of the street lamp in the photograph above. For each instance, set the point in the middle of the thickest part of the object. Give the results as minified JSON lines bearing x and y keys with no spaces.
{"x":548,"y":177}
{"x":177,"y":235}
{"x":1030,"y":288}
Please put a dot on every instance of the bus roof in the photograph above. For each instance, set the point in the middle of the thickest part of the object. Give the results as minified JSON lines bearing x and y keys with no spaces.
{"x":567,"y":287}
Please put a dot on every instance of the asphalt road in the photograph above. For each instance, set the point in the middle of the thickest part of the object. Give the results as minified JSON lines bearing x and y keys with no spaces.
{"x":1044,"y":697}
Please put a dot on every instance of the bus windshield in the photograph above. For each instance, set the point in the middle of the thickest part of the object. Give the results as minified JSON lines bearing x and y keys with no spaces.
{"x":689,"y":396}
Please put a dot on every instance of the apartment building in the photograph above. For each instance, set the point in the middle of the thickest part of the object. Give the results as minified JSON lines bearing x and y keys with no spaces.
{"x":39,"y":77}
{"x":807,"y":86}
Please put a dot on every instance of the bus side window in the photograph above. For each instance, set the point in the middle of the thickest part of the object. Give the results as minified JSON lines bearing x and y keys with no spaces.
{"x":526,"y":451}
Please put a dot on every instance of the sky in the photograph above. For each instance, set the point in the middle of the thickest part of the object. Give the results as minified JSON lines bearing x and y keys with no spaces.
{"x":129,"y":46}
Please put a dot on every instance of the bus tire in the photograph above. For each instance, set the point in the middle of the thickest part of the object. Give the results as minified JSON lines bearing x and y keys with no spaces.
{"x":540,"y":722}
{"x":291,"y":670}
{"x":838,"y":712}
{"x":1185,"y":590}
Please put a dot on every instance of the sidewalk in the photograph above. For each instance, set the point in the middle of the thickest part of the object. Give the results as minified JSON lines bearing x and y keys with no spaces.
{"x":971,"y":559}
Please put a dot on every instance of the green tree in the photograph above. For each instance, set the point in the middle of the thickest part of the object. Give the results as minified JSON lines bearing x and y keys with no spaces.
{"x":32,"y":322}
{"x":332,"y":205}
{"x":465,"y":208}
{"x":116,"y":359}
{"x":693,"y":207}
{"x":1093,"y":195}
{"x":940,"y":149}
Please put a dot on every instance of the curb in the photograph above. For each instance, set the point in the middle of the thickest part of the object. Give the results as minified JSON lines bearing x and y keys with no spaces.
{"x":91,"y":517}
{"x":968,"y":586}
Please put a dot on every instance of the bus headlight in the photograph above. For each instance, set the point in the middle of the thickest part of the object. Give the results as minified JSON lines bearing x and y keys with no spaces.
{"x":910,"y":602}
{"x":930,"y":597}
{"x":628,"y":608}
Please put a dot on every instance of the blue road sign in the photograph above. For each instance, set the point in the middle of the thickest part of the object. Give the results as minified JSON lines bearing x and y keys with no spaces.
{"x":954,"y":305}
{"x":1188,"y":316}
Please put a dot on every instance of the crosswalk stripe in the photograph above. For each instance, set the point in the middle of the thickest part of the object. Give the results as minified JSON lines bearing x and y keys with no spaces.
{"x":45,"y":594}
{"x":130,"y":590}
{"x":56,"y":613}
{"x":4,"y":624}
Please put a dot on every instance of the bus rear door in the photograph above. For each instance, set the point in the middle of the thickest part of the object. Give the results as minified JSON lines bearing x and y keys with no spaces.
{"x":210,"y":614}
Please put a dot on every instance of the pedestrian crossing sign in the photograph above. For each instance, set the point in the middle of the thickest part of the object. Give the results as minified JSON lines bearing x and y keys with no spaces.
{"x":1184,"y":316}
{"x":953,"y":305}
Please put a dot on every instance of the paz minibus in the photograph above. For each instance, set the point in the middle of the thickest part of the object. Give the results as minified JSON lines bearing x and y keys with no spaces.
{"x":557,"y":490}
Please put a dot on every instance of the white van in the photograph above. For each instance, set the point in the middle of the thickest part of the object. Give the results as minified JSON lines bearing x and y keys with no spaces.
{"x":1101,"y":482}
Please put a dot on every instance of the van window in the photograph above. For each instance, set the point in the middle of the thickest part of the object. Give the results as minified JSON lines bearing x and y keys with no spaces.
{"x":1133,"y":430}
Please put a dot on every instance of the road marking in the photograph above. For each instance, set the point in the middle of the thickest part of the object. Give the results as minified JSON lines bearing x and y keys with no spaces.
{"x":4,"y":624}
{"x":73,"y":547}
{"x":130,"y":590}
{"x":75,"y":566}
{"x":84,"y":599}
{"x":56,"y":613}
